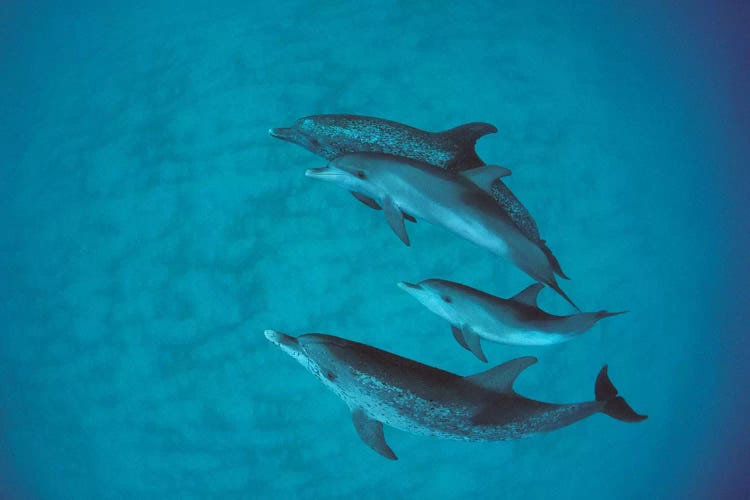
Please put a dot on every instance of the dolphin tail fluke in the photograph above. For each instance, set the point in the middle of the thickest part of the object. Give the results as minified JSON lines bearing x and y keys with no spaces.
{"x":552,"y":260}
{"x":614,"y":406}
{"x":553,"y":285}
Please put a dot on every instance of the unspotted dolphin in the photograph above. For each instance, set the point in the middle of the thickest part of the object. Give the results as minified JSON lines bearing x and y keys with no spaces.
{"x":460,"y":203}
{"x":331,"y":136}
{"x":476,"y":315}
{"x":382,"y":388}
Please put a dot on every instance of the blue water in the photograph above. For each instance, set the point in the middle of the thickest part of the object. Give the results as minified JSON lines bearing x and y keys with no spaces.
{"x":152,"y":230}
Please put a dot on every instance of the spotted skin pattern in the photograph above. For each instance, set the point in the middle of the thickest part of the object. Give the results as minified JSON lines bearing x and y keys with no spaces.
{"x":331,"y":136}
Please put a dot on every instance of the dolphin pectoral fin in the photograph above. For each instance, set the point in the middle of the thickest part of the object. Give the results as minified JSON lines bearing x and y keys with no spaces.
{"x":473,"y":343}
{"x":366,"y":200}
{"x":529,"y":295}
{"x":459,"y":336}
{"x":395,"y":219}
{"x":485,"y":176}
{"x":371,"y":432}
{"x":501,"y":377}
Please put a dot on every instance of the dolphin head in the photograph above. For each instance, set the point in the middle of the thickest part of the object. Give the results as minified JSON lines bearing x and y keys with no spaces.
{"x":349,"y":173}
{"x":323,"y":355}
{"x":311,"y":133}
{"x":436,"y":295}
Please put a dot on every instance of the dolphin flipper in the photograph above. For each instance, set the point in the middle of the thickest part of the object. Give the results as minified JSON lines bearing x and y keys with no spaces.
{"x":395,"y":219}
{"x":366,"y":200}
{"x":459,"y":336}
{"x":374,"y":204}
{"x":473,"y":343}
{"x":371,"y":432}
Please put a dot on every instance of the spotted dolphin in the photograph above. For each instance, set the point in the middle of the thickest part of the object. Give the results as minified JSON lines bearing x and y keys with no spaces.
{"x":382,"y":388}
{"x":331,"y":136}
{"x":476,"y":315}
{"x":459,"y":203}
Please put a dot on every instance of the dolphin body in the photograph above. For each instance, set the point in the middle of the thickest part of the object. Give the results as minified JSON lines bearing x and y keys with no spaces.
{"x":383,"y":388}
{"x":410,"y":189}
{"x":476,"y":315}
{"x":331,"y":136}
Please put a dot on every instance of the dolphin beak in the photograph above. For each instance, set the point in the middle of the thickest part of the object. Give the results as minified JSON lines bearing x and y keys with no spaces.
{"x":409,"y":288}
{"x":285,"y":134}
{"x":281,"y":339}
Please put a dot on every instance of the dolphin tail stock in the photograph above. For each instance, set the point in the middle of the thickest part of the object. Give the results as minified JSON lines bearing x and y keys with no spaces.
{"x":613,"y":405}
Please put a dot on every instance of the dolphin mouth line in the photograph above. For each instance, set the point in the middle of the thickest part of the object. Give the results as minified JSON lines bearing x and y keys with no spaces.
{"x":321,"y":172}
{"x":407,"y":287}
{"x":281,"y":133}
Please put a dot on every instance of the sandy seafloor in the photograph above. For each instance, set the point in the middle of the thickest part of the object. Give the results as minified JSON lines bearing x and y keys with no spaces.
{"x":153,"y":230}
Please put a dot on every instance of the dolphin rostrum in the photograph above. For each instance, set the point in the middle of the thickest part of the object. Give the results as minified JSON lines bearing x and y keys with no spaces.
{"x":406,"y":188}
{"x":331,"y":136}
{"x":476,"y":315}
{"x":383,"y":388}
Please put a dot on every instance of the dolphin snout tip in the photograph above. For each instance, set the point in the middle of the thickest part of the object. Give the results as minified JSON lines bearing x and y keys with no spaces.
{"x":279,"y":338}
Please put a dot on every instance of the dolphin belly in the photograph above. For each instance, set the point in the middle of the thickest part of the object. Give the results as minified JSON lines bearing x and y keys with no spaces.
{"x":504,"y":334}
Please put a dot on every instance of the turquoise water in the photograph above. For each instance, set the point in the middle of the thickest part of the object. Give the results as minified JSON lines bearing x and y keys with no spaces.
{"x":153,"y":230}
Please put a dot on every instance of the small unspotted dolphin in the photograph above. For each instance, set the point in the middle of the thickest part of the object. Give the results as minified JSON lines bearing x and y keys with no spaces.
{"x":476,"y":315}
{"x":331,"y":136}
{"x":383,"y":388}
{"x":406,"y":188}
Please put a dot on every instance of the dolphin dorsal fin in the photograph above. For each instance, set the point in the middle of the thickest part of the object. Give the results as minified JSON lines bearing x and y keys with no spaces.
{"x":470,"y":132}
{"x":529,"y":295}
{"x":501,"y":378}
{"x":486,"y":175}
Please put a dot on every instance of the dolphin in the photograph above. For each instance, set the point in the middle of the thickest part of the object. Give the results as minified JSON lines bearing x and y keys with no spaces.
{"x":406,"y":188}
{"x":476,"y":315}
{"x":331,"y":136}
{"x":383,"y":388}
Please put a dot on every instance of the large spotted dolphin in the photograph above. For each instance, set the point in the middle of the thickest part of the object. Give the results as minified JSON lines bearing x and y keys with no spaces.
{"x":408,"y":188}
{"x":383,"y":388}
{"x":331,"y":136}
{"x":476,"y":315}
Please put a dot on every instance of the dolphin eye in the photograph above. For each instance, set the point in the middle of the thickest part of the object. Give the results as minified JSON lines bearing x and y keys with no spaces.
{"x":447,"y":299}
{"x":360,"y":174}
{"x":330,"y":375}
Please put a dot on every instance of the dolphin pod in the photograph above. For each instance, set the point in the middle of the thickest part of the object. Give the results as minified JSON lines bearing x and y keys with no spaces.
{"x":382,"y":388}
{"x":411,"y":174}
{"x":331,"y":136}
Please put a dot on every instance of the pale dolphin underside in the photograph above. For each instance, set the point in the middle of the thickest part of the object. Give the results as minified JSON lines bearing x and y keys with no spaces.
{"x":383,"y":388}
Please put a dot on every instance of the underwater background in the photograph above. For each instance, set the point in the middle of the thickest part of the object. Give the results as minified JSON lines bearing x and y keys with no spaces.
{"x":151,"y":230}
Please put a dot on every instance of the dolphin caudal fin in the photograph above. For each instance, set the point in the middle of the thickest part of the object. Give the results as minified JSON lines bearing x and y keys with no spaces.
{"x":552,"y":260}
{"x":553,"y":285}
{"x":614,"y":406}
